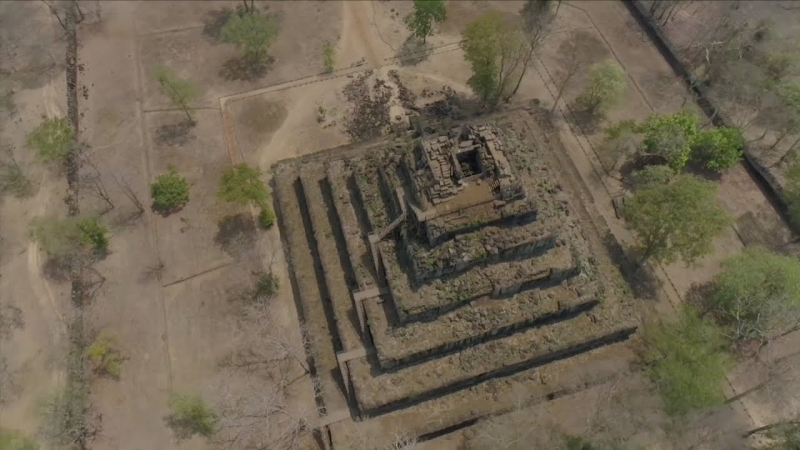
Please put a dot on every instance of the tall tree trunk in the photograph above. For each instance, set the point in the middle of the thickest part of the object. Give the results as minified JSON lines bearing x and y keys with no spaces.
{"x":560,"y":93}
{"x":768,"y":427}
{"x":524,"y":69}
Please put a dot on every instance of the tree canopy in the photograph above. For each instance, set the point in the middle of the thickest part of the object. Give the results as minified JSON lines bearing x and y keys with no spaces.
{"x":757,"y":293}
{"x":253,"y":33}
{"x":170,"y":191}
{"x":652,"y":175}
{"x":607,"y":86}
{"x":420,"y":21}
{"x":674,"y":221}
{"x":52,"y":140}
{"x":242,"y":184}
{"x":495,"y":49}
{"x":718,"y":148}
{"x":686,"y":360}
{"x":670,"y":137}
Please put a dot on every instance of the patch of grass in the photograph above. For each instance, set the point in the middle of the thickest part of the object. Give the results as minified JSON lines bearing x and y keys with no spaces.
{"x":104,"y":356}
{"x":13,"y":179}
{"x":191,"y":415}
{"x":267,"y":286}
{"x":15,"y":440}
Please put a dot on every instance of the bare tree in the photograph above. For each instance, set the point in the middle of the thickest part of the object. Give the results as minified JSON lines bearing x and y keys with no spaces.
{"x":257,"y":410}
{"x":128,"y":191}
{"x":537,"y":23}
{"x":94,"y":180}
{"x":572,"y":58}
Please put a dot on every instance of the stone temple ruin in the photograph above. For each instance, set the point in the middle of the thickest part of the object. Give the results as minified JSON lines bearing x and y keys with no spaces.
{"x":446,"y":275}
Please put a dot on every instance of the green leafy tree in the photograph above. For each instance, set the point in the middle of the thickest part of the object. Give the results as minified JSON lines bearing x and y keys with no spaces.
{"x":495,"y":49}
{"x":678,"y":220}
{"x":242,"y":184}
{"x":718,"y":148}
{"x":52,"y":140}
{"x":652,"y":175}
{"x":191,"y":415}
{"x":606,"y":88}
{"x":686,"y":360}
{"x":170,"y":191}
{"x":757,"y":294}
{"x":253,"y":33}
{"x":669,"y":137}
{"x":420,"y":21}
{"x":179,"y":91}
{"x":15,"y":440}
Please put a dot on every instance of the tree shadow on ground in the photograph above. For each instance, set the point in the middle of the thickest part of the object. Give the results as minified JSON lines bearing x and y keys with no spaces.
{"x":236,"y":234}
{"x":413,"y":51}
{"x":587,"y":120}
{"x":56,"y":269}
{"x":212,"y":27}
{"x":175,"y":134}
{"x":245,"y":69}
{"x":183,"y":428}
{"x":642,"y":281}
{"x":699,"y":295}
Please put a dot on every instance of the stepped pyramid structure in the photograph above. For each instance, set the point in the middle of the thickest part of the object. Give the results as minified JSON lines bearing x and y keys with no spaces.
{"x":442,"y":275}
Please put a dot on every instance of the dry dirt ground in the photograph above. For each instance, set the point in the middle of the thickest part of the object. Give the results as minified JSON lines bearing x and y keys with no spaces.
{"x":168,"y":322}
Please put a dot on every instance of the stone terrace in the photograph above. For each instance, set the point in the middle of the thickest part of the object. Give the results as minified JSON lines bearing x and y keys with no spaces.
{"x":430,"y":269}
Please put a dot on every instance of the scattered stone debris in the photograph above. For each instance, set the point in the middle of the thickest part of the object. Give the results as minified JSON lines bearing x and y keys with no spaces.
{"x":369,"y":116}
{"x":407,"y":98}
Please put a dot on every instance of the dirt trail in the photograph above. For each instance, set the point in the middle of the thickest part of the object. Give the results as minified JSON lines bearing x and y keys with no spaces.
{"x":360,"y":38}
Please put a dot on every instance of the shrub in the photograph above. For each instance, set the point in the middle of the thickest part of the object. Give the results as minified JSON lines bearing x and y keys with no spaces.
{"x":719,"y":148}
{"x":191,"y":415}
{"x":170,"y":191}
{"x":104,"y":356}
{"x":267,"y":285}
{"x":52,"y":140}
{"x":15,"y":440}
{"x":266,"y":218}
{"x":651,"y":175}
{"x":93,"y":234}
